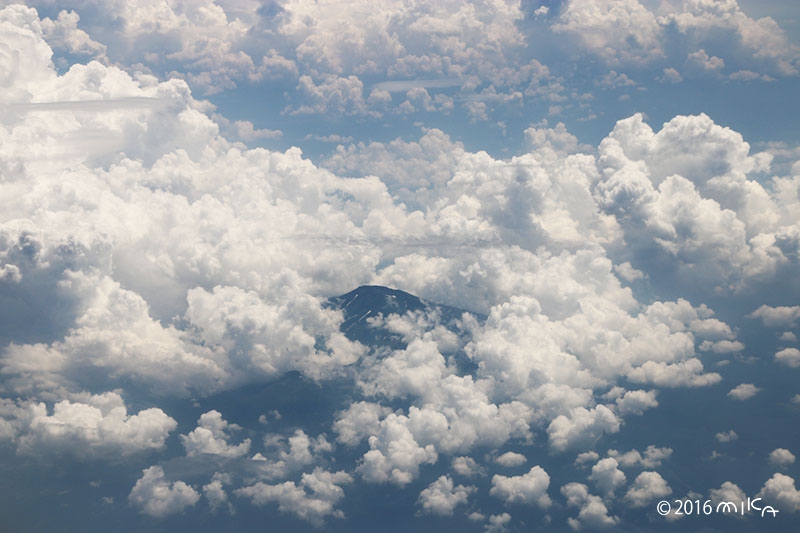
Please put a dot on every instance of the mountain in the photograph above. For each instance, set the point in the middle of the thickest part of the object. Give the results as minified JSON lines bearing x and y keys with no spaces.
{"x":365,"y":307}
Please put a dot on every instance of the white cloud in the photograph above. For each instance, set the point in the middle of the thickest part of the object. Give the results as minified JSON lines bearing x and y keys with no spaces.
{"x":670,"y":75}
{"x":687,"y":187}
{"x":653,"y":456}
{"x":157,"y":497}
{"x":728,"y":492}
{"x":618,"y":31}
{"x":211,"y":437}
{"x":287,"y":455}
{"x":745,"y":391}
{"x":777,"y":317}
{"x":586,"y":457}
{"x":780,"y":492}
{"x":593,"y":512}
{"x":528,"y":489}
{"x":636,"y":402}
{"x":358,"y":421}
{"x":161,"y":255}
{"x":92,"y":425}
{"x":497,"y":522}
{"x":216,"y":495}
{"x":789,"y":357}
{"x":646,"y":487}
{"x":727,"y":436}
{"x":781,"y":457}
{"x":442,"y":497}
{"x":394,"y":455}
{"x":313,"y":499}
{"x":759,"y":42}
{"x":702,"y":60}
{"x":606,"y":476}
{"x":63,"y":32}
{"x":467,"y":467}
{"x":581,"y":427}
{"x":510,"y":459}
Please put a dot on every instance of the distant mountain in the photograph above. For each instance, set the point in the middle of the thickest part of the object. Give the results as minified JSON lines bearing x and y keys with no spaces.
{"x":372,"y":301}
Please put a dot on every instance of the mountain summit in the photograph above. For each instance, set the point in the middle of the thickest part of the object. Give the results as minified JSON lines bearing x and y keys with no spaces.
{"x":376,"y":302}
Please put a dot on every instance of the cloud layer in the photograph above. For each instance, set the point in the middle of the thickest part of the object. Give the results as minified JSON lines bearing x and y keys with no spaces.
{"x":146,"y":255}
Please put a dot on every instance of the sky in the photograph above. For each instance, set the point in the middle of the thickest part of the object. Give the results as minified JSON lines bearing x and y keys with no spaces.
{"x":609,"y":189}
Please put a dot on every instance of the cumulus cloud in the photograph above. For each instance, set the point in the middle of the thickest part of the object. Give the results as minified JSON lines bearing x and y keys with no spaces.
{"x":467,"y":467}
{"x":781,"y":457}
{"x":606,"y":476}
{"x":581,"y":427}
{"x":780,"y":492}
{"x":777,"y":317}
{"x":647,"y":487}
{"x":745,"y":391}
{"x":158,"y":497}
{"x":394,"y":455}
{"x":593,"y":512}
{"x":789,"y":357}
{"x":530,"y":488}
{"x":617,"y":31}
{"x":313,"y":499}
{"x":757,"y":41}
{"x":511,"y":459}
{"x":211,"y":437}
{"x":636,"y":402}
{"x":215,"y":493}
{"x":442,"y":497}
{"x":89,"y":426}
{"x":727,"y":492}
{"x":154,"y":253}
{"x":652,"y":458}
{"x":726,"y":436}
{"x":641,"y":184}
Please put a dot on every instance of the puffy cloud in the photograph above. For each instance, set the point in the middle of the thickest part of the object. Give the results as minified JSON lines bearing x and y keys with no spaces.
{"x":358,"y":421}
{"x":586,"y":457}
{"x":727,"y":436}
{"x":789,"y":357}
{"x":702,"y":60}
{"x":497,"y":522}
{"x":215,"y":493}
{"x":442,"y":497}
{"x":511,"y":459}
{"x":761,"y":42}
{"x":727,"y":492}
{"x":618,"y":31}
{"x":745,"y":391}
{"x":606,"y":476}
{"x":91,"y":426}
{"x":158,"y":497}
{"x":394,"y":455}
{"x":211,"y":437}
{"x":593,"y":512}
{"x":777,"y":317}
{"x":529,"y":488}
{"x":581,"y":427}
{"x":313,"y":499}
{"x":636,"y":402}
{"x":63,"y":32}
{"x":288,"y":455}
{"x":781,"y":457}
{"x":780,"y":492}
{"x":467,"y":466}
{"x":688,"y":190}
{"x":653,"y":456}
{"x":646,"y":487}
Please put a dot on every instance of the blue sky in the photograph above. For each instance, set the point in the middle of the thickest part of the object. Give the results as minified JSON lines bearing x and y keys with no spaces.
{"x":613,"y":185}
